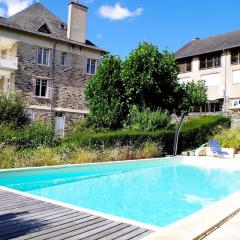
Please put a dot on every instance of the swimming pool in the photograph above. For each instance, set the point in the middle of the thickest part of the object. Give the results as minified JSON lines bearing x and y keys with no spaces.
{"x":156,"y":192}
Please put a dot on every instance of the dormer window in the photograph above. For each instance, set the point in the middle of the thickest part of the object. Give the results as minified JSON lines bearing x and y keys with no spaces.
{"x":44,"y":29}
{"x":63,"y":26}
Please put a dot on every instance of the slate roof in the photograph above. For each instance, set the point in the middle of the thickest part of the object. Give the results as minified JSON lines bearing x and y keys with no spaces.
{"x":32,"y":18}
{"x":211,"y":44}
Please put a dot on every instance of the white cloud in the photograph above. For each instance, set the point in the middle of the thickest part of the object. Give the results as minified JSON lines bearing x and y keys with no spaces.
{"x":14,"y":6}
{"x":118,"y":12}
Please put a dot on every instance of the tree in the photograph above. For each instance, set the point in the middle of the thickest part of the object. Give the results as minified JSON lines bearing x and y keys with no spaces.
{"x":13,"y":110}
{"x":105,"y":94}
{"x":150,"y":78}
{"x":194,"y":94}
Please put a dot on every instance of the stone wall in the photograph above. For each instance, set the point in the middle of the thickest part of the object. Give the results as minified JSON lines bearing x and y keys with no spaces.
{"x":65,"y":91}
{"x":69,"y":81}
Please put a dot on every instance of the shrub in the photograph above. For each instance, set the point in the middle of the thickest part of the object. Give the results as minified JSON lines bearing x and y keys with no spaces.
{"x":147,"y":120}
{"x":36,"y":135}
{"x":40,"y":157}
{"x":12,"y":110}
{"x":229,"y":138}
{"x":7,"y":135}
{"x":149,"y":150}
{"x":84,"y":156}
{"x":194,"y":133}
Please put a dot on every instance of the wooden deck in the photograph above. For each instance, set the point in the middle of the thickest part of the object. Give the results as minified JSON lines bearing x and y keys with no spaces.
{"x":23,"y":217}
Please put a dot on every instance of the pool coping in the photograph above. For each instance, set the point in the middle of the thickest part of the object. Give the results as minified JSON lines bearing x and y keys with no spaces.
{"x":85,"y":164}
{"x":195,"y":226}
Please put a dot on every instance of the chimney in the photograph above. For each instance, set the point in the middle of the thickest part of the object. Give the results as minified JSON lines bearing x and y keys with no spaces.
{"x":77,"y":20}
{"x":196,"y":38}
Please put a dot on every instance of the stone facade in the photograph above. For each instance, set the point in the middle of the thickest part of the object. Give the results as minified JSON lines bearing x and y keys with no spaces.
{"x":65,"y":90}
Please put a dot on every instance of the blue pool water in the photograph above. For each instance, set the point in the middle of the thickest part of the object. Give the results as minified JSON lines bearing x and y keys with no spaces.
{"x":158,"y":192}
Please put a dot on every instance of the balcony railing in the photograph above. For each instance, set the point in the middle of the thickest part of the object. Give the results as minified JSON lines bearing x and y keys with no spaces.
{"x":9,"y":62}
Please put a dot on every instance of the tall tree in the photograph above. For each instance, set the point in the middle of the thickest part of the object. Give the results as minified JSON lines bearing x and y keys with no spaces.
{"x":105,"y":94}
{"x":150,"y":78}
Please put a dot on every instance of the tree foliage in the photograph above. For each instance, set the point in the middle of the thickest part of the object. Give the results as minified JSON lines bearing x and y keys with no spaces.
{"x":13,"y":110}
{"x":105,"y":94}
{"x":147,"y":120}
{"x":195,"y":94}
{"x":147,"y":79}
{"x":150,"y":78}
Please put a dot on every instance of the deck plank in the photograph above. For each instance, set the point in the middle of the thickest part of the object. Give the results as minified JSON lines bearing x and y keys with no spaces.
{"x":23,"y":218}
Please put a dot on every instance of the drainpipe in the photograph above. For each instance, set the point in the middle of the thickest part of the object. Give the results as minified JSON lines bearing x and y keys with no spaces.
{"x":225,"y":81}
{"x":54,"y":93}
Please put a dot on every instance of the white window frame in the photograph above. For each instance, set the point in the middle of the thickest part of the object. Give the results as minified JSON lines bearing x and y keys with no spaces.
{"x":47,"y":88}
{"x":95,"y":69}
{"x":48,"y":59}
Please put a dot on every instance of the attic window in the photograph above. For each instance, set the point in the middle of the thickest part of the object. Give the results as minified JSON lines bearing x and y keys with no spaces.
{"x":44,"y":29}
{"x":63,"y":26}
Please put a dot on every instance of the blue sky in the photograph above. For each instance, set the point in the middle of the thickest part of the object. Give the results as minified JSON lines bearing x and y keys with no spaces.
{"x":119,"y":26}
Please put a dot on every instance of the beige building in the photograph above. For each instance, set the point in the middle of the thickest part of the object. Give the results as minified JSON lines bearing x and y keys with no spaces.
{"x":217,"y":61}
{"x":48,"y":62}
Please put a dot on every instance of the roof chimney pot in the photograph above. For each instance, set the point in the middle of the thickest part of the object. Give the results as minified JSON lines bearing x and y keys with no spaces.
{"x":196,"y":38}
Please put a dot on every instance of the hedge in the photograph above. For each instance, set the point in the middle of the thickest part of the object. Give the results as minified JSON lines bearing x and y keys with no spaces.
{"x":36,"y":135}
{"x":194,"y":133}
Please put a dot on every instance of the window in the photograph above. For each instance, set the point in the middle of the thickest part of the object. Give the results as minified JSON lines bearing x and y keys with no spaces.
{"x":91,"y":66}
{"x":63,"y":26}
{"x":236,"y":103}
{"x":64,"y":58}
{"x":236,"y":77}
{"x":43,"y":56}
{"x":185,"y":66}
{"x":211,"y":79}
{"x":235,"y":56}
{"x":210,"y":61}
{"x":41,"y":88}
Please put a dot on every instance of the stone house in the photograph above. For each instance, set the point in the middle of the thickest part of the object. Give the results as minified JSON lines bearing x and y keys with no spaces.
{"x":48,"y":62}
{"x":217,"y":61}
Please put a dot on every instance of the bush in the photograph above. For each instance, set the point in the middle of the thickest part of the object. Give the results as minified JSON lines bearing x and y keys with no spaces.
{"x":12,"y":110}
{"x":147,"y":120}
{"x":229,"y":138}
{"x":36,"y":135}
{"x":194,"y":133}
